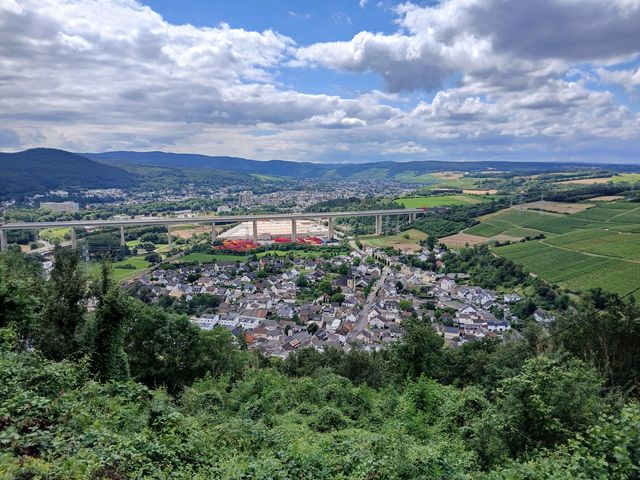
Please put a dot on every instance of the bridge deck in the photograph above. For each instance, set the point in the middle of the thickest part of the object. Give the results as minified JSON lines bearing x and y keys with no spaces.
{"x":208,"y":219}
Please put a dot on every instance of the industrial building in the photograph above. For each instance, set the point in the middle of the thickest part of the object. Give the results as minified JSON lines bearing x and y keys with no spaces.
{"x":69,"y":207}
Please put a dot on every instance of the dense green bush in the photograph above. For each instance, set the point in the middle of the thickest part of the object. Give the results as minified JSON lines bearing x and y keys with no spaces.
{"x":205,"y":407}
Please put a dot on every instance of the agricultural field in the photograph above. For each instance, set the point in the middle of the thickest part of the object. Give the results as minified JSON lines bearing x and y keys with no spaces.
{"x":462,"y":239}
{"x":606,"y":198}
{"x":534,"y":220}
{"x":598,"y":247}
{"x":121,"y":270}
{"x":408,"y":240}
{"x":480,"y":192}
{"x":439,"y":180}
{"x":442,"y":200}
{"x":556,"y":207}
{"x":619,"y":178}
{"x":188,"y":231}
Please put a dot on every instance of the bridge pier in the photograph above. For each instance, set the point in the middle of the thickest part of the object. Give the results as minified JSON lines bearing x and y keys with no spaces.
{"x":214,"y":232}
{"x":168,"y":221}
{"x":123,"y":240}
{"x":294,"y":232}
{"x":378,"y":224}
{"x":74,"y":238}
{"x":3,"y":240}
{"x":412,"y":217}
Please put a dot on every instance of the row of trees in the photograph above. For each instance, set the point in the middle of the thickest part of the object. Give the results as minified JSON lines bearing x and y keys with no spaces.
{"x":70,"y":317}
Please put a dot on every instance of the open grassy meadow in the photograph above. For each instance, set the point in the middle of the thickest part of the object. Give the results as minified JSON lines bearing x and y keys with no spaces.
{"x":437,"y":180}
{"x":598,"y":247}
{"x":269,"y":178}
{"x":407,"y":240}
{"x":122,"y":270}
{"x":55,"y":234}
{"x":619,"y":178}
{"x":442,"y":200}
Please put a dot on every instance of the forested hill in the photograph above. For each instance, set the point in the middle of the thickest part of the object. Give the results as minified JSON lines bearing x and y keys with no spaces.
{"x":373,"y":170}
{"x":42,"y":169}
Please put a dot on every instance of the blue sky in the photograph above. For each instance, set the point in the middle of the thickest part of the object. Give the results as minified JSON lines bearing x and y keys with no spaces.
{"x":325,"y":81}
{"x":306,"y":22}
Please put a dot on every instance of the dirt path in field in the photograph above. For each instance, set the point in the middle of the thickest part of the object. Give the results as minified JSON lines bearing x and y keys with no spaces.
{"x":624,"y":212}
{"x":609,"y":257}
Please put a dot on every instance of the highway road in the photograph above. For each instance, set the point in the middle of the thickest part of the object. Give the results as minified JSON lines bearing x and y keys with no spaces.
{"x":206,"y":219}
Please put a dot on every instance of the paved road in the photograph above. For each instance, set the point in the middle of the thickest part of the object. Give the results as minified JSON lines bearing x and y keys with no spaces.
{"x":208,"y":219}
{"x":48,"y":247}
{"x":361,"y":323}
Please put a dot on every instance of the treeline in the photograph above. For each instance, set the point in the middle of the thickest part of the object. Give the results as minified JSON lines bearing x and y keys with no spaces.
{"x":585,"y":192}
{"x":324,"y":251}
{"x":363,"y":225}
{"x":490,"y":271}
{"x":113,"y":388}
{"x":71,"y":317}
{"x":444,"y":222}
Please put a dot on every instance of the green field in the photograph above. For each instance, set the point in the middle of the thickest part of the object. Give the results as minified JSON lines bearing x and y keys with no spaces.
{"x":436,"y":180}
{"x":626,"y":177}
{"x":53,"y":234}
{"x":599,"y":247}
{"x":120,"y":274}
{"x":269,"y":178}
{"x":212,"y":257}
{"x":397,"y":240}
{"x":533,"y":220}
{"x":442,"y":200}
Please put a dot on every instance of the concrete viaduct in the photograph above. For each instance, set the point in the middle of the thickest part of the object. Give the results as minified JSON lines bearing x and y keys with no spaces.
{"x":213,"y":220}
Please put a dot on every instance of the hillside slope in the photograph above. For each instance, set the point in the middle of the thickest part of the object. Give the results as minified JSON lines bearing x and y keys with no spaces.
{"x":361,"y":171}
{"x":42,"y":169}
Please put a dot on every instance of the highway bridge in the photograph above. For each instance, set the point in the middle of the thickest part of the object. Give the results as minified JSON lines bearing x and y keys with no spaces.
{"x":212,"y":220}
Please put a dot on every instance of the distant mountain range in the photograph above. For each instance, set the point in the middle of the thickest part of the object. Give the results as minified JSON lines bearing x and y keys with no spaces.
{"x":42,"y":169}
{"x":373,"y":170}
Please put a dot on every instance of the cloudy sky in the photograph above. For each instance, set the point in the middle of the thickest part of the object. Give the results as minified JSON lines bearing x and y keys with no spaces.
{"x":325,"y":81}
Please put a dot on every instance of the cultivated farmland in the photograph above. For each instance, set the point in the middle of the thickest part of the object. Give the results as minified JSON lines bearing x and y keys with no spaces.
{"x":442,"y":200}
{"x":598,"y":247}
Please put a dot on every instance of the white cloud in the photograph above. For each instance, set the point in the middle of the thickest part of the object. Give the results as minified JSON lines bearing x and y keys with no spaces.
{"x":337,"y":119}
{"x":340,"y":18}
{"x":409,"y":149}
{"x":300,"y":16}
{"x":114,"y":74}
{"x":74,"y":42}
{"x":483,"y":37}
{"x":627,"y":79}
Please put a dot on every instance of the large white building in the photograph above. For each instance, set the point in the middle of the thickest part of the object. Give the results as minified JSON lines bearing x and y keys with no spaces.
{"x":69,"y":207}
{"x":245,"y":198}
{"x":268,"y":229}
